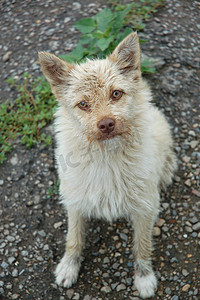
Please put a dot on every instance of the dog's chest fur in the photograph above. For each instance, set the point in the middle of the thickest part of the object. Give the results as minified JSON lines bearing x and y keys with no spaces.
{"x":107,"y":182}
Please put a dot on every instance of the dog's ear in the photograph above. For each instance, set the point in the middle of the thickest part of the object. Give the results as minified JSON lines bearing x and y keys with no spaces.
{"x":55,"y":69}
{"x":127,"y":54}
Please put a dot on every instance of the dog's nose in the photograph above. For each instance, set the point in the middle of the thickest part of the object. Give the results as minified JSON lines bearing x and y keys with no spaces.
{"x":106,"y":125}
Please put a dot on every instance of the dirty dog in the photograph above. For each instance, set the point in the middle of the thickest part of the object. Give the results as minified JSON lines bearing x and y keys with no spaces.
{"x":114,"y":152}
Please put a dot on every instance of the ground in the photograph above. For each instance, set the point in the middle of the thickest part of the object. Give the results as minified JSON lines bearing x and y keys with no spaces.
{"x":33,"y":223}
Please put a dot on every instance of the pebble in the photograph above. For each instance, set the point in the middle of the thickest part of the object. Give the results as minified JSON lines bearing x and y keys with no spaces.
{"x":124,"y":237}
{"x":57,"y":225}
{"x":70,"y":293}
{"x":196,"y":226}
{"x":106,"y":289}
{"x":121,"y":287}
{"x":42,"y":233}
{"x":10,"y":238}
{"x":15,"y":273}
{"x":6,"y":56}
{"x":160,"y":222}
{"x":15,"y":296}
{"x":185,"y":272}
{"x":11,"y":260}
{"x":186,"y":287}
{"x":4,"y":265}
{"x":156,"y":231}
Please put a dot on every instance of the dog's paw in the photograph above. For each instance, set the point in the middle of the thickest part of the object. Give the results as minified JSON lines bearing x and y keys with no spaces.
{"x":67,"y":271}
{"x":146,"y":285}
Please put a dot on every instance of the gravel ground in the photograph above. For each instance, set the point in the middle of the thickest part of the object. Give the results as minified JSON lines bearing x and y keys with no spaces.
{"x":33,"y":224}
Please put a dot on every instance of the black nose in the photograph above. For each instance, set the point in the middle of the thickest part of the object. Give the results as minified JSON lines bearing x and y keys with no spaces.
{"x":106,"y":125}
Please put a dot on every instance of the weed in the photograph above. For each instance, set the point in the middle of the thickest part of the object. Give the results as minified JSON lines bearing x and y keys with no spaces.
{"x":103,"y":32}
{"x":32,"y":110}
{"x":54,"y":190}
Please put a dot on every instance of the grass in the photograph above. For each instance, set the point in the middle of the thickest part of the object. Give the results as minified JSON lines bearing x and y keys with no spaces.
{"x":34,"y":107}
{"x":31,"y":111}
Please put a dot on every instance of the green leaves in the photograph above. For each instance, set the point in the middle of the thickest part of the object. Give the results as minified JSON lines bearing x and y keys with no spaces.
{"x":103,"y":32}
{"x":85,"y":25}
{"x":147,"y":66}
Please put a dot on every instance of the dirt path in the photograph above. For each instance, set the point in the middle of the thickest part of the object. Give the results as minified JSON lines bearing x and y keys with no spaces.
{"x":33,"y":223}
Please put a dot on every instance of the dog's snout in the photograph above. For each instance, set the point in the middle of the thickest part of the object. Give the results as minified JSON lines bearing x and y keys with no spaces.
{"x":106,"y":125}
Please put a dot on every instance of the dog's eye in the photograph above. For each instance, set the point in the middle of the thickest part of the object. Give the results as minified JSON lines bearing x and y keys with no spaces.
{"x":83,"y":105}
{"x":116,"y":95}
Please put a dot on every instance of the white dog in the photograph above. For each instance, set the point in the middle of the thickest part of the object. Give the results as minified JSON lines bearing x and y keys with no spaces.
{"x":120,"y":149}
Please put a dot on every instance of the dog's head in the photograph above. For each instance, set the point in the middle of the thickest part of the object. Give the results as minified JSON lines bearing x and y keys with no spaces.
{"x":99,"y":95}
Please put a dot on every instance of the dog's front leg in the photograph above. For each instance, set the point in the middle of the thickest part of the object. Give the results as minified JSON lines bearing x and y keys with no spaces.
{"x":145,"y":280}
{"x":67,"y":270}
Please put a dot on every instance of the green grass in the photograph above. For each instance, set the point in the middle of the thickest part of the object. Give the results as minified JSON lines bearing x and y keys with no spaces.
{"x":32,"y":110}
{"x":34,"y":107}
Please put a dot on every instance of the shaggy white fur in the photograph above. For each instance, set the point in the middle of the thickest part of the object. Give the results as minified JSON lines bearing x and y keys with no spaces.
{"x":146,"y":285}
{"x":109,"y":176}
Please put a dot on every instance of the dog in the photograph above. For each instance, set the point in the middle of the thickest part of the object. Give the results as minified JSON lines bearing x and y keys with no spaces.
{"x":114,"y":152}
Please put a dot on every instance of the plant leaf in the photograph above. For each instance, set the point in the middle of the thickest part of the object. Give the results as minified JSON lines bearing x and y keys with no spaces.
{"x":85,"y":25}
{"x":105,"y":42}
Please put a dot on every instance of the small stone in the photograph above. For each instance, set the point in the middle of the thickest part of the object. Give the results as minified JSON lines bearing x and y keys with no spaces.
{"x":186,"y":287}
{"x":121,"y":287}
{"x":10,"y":238}
{"x":42,"y":233}
{"x":165,"y":205}
{"x":188,"y":229}
{"x":2,"y":245}
{"x":70,"y":293}
{"x":193,"y":144}
{"x":168,"y":291}
{"x":15,"y":273}
{"x":106,"y":260}
{"x":106,"y":289}
{"x":87,"y":297}
{"x":124,"y":237}
{"x":57,"y":225}
{"x":11,"y":260}
{"x":185,"y":272}
{"x":76,"y":296}
{"x":188,"y":183}
{"x":4,"y":265}
{"x":186,"y":159}
{"x":160,"y":222}
{"x":156,"y":231}
{"x":67,"y":19}
{"x":115,"y":266}
{"x":1,"y":182}
{"x":196,"y":226}
{"x":24,"y":253}
{"x":14,"y":160}
{"x":15,"y":296}
{"x":6,"y":56}
{"x":46,"y":247}
{"x":196,"y":193}
{"x":193,"y":220}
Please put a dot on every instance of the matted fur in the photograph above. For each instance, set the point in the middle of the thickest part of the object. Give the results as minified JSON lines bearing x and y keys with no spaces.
{"x":109,"y":177}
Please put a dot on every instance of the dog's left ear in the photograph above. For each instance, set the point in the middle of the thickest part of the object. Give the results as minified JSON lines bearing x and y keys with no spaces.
{"x":127,"y":54}
{"x":55,"y":69}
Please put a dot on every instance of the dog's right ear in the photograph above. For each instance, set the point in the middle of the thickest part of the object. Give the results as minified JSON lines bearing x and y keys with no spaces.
{"x":55,"y":69}
{"x":127,"y":54}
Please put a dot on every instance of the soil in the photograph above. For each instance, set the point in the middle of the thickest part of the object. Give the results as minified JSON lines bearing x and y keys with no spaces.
{"x":33,"y":223}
